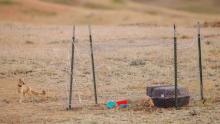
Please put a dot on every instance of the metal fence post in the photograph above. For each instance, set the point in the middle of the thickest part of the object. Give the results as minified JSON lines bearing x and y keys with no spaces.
{"x":71,"y":73}
{"x":200,"y":62}
{"x":93,"y":65}
{"x":175,"y":66}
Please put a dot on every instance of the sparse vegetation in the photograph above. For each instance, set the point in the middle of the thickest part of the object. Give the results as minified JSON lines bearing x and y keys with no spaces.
{"x":118,"y":1}
{"x":197,"y":8}
{"x":123,"y":69}
{"x":6,"y":2}
{"x":202,"y":6}
{"x":19,"y":70}
{"x":65,"y":2}
{"x":36,"y":12}
{"x":29,"y":42}
{"x":147,"y":12}
{"x":178,"y":36}
{"x":137,"y":62}
{"x":97,"y":6}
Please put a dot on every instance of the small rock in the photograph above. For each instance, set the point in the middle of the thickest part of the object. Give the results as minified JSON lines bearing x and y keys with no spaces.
{"x":193,"y":113}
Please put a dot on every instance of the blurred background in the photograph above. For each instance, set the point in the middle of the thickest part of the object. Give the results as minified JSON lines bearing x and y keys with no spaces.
{"x":116,"y":12}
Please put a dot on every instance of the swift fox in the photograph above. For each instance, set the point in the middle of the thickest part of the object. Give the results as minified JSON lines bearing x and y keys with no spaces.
{"x":24,"y":90}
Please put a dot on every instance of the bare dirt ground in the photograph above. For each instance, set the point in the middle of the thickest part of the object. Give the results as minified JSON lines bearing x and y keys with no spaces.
{"x":127,"y":59}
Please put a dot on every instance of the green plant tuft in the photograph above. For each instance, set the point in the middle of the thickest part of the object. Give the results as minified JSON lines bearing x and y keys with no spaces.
{"x":7,"y":2}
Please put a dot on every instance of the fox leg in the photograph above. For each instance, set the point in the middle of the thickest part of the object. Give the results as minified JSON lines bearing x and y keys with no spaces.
{"x":21,"y":97}
{"x":31,"y":96}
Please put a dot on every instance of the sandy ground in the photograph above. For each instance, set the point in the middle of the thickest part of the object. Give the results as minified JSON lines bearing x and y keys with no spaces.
{"x":127,"y":59}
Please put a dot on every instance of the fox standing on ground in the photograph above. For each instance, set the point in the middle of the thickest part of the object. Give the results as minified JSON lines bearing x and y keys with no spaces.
{"x":25,"y":90}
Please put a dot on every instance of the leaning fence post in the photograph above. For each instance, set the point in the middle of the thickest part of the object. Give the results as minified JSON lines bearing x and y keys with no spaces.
{"x":175,"y":66}
{"x":71,"y":73}
{"x":93,"y":65}
{"x":200,"y":62}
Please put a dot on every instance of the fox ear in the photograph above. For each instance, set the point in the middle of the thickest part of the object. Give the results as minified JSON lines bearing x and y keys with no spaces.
{"x":21,"y":81}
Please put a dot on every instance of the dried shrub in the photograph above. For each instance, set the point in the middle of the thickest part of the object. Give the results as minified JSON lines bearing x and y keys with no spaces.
{"x":137,"y":62}
{"x":29,"y":42}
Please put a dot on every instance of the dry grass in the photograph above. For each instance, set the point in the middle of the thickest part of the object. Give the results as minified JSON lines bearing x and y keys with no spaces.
{"x":127,"y":59}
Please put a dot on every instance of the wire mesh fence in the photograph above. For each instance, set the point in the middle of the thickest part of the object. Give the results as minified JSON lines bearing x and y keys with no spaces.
{"x":127,"y":63}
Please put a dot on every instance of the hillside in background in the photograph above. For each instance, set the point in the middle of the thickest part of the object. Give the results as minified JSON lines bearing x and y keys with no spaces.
{"x":194,"y":6}
{"x":149,"y":12}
